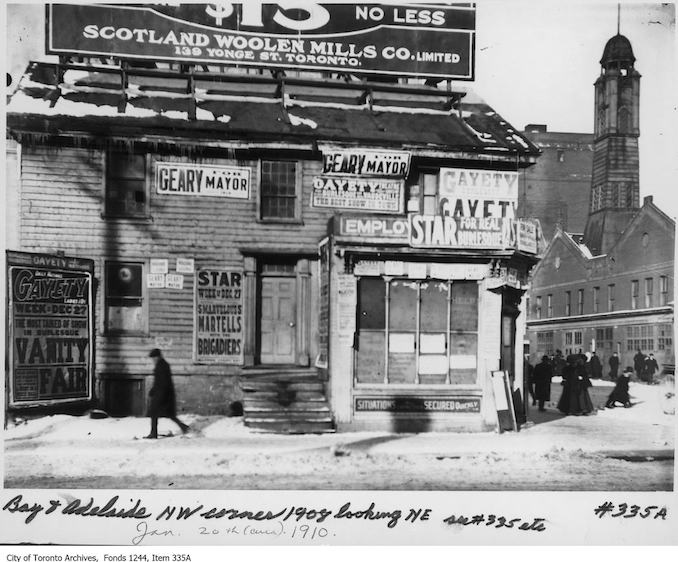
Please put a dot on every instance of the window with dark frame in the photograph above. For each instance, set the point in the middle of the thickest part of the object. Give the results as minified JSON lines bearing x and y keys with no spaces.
{"x":549,"y":306}
{"x":545,"y":343}
{"x":423,"y":195}
{"x":596,"y":300}
{"x":538,"y":308}
{"x":649,"y":288}
{"x":568,"y":303}
{"x":664,"y":337}
{"x":663,"y":290}
{"x":635,"y":287}
{"x":278,"y":191}
{"x":610,"y":297}
{"x":124,"y":298}
{"x":126,"y":185}
{"x":580,"y":301}
{"x":639,"y":337}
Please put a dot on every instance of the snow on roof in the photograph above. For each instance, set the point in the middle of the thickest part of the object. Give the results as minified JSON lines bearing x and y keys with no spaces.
{"x":297,"y":121}
{"x":418,"y":116}
{"x":577,"y":241}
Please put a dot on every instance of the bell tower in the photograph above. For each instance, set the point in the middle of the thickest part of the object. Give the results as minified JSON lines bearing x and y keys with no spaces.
{"x":615,"y":192}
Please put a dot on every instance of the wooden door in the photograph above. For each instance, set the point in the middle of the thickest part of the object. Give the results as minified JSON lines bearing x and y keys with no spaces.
{"x":278,"y":320}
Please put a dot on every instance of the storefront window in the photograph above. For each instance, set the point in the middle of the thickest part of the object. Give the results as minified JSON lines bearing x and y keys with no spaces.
{"x":370,"y":359}
{"x":416,"y":332}
{"x":402,"y":331}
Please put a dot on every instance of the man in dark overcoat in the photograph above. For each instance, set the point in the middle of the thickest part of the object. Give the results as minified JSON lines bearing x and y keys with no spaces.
{"x":542,"y":382}
{"x":650,"y":368}
{"x":639,"y":364}
{"x":162,"y":399}
{"x":596,"y":366}
{"x":614,"y":366}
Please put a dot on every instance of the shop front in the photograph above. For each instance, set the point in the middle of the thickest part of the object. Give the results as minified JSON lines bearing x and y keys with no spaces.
{"x":417,"y":332}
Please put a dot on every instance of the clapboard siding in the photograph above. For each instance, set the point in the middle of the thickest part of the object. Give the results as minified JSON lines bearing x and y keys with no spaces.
{"x":62,"y":209}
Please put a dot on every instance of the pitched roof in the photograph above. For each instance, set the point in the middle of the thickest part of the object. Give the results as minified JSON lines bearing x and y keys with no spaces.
{"x":254,"y":107}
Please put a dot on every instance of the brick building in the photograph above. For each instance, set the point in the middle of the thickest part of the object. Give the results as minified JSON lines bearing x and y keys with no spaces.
{"x":609,"y":288}
{"x":556,"y":189}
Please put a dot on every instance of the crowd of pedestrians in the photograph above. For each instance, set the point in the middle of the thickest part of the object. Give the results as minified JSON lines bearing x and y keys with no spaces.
{"x":576,"y":371}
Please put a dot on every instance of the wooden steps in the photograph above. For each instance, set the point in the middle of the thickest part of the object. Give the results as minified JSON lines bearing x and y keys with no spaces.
{"x":285,"y":401}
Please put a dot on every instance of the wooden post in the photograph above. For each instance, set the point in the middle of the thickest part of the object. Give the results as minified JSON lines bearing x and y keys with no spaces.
{"x":303,"y":312}
{"x":250,"y":312}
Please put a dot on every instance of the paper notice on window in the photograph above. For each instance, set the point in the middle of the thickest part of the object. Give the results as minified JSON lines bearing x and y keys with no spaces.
{"x":463,"y":362}
{"x":432,"y":343}
{"x":401,"y":343}
{"x":433,"y":364}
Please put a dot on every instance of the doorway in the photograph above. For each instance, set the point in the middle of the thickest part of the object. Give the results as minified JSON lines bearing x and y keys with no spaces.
{"x":278,"y":313}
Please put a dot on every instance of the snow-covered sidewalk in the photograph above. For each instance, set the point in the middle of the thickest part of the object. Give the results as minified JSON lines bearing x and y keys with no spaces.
{"x":644,"y":426}
{"x":79,"y":451}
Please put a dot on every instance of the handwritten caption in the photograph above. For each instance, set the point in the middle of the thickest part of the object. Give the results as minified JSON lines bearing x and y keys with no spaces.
{"x":294,"y":521}
{"x":629,"y":511}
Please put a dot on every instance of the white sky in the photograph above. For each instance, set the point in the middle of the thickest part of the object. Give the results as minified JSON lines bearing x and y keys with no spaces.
{"x":536,"y":61}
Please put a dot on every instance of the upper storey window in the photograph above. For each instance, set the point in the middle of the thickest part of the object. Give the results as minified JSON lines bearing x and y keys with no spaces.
{"x":126,"y":185}
{"x":279,"y":193}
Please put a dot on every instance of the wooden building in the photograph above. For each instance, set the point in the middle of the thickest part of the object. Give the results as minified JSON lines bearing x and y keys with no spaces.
{"x":324,"y":250}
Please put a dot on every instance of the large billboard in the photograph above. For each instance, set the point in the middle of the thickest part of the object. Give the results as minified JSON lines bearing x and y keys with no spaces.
{"x":50,"y":336}
{"x":426,"y":40}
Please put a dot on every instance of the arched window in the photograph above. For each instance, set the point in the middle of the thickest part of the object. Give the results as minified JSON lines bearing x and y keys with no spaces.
{"x":624,"y":120}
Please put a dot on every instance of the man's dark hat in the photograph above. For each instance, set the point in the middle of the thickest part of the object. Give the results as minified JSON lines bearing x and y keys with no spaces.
{"x":155,"y":352}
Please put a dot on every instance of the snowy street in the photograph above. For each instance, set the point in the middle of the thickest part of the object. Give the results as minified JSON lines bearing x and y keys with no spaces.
{"x":614,"y":449}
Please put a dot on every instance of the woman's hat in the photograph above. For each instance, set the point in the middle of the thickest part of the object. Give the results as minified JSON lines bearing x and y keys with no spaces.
{"x":155,"y":352}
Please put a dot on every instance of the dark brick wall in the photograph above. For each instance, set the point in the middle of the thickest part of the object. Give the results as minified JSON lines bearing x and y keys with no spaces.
{"x":556,"y":190}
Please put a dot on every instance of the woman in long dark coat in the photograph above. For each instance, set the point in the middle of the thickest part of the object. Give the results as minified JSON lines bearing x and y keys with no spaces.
{"x":575,"y":398}
{"x":162,"y":398}
{"x":542,"y":382}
